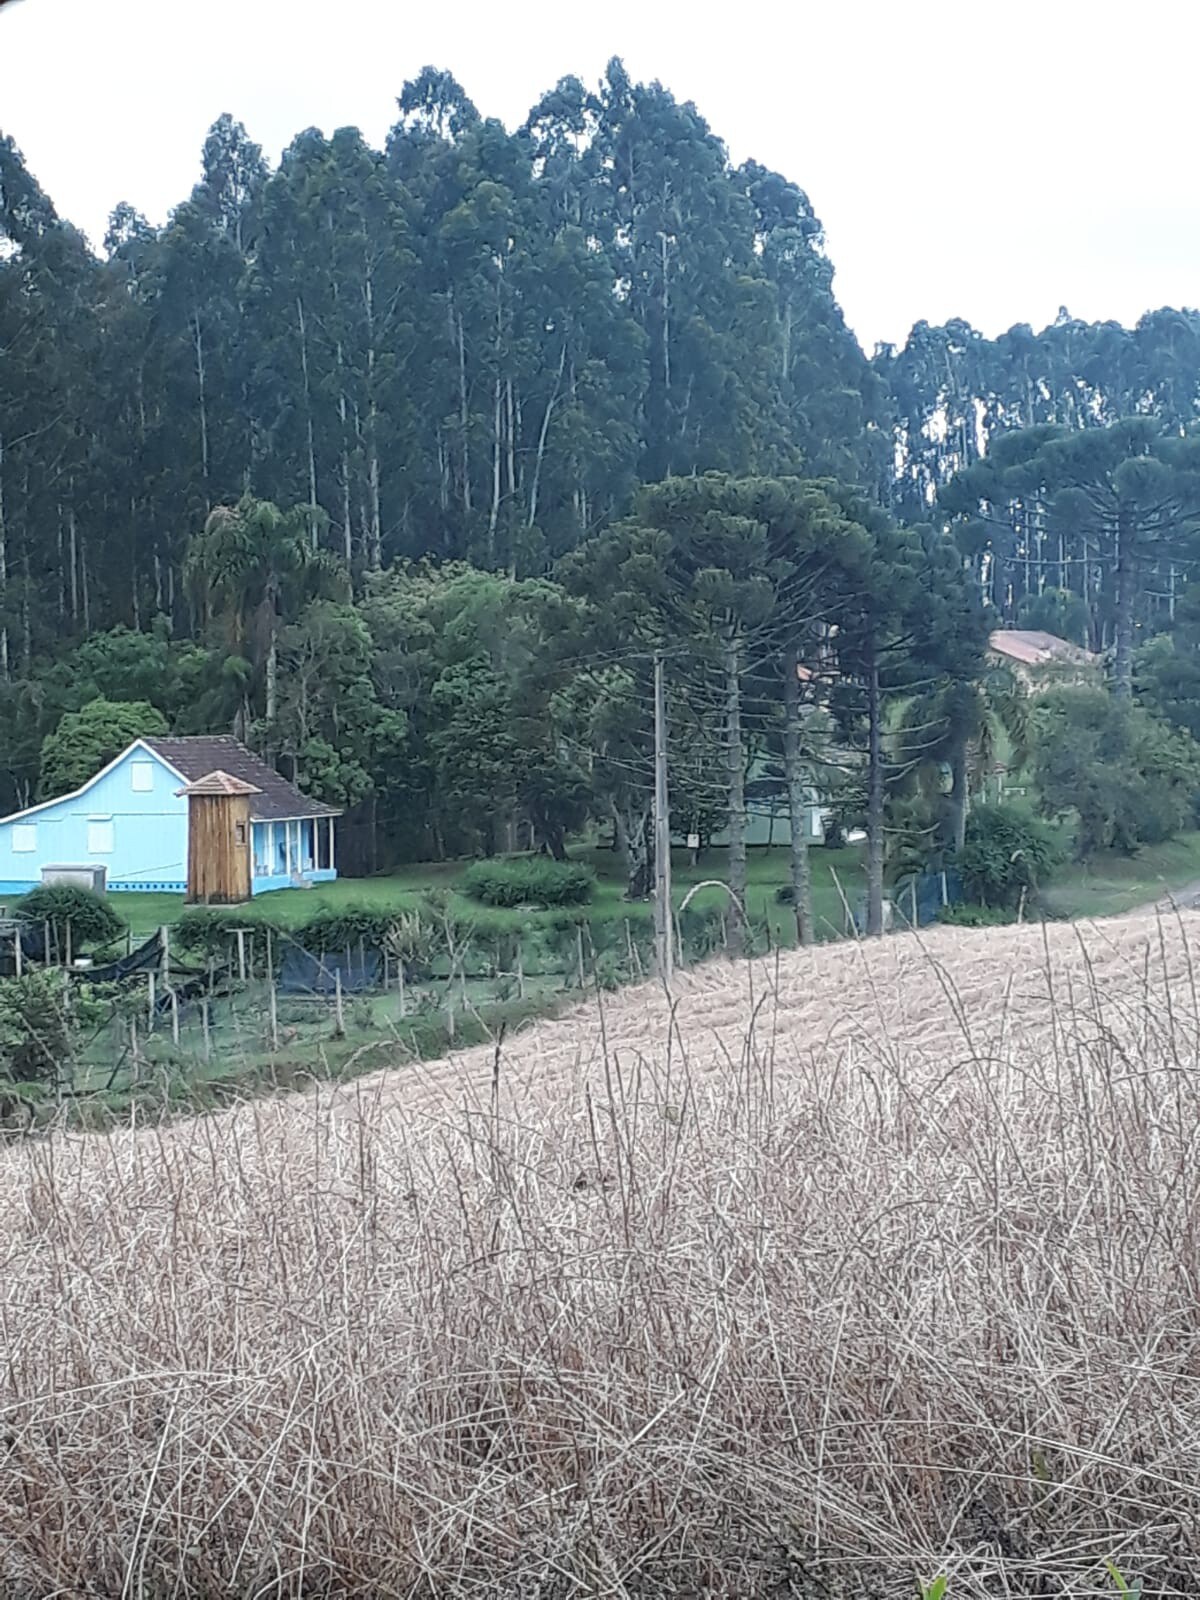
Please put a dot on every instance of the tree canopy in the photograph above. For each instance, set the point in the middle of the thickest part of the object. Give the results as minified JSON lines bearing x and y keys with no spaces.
{"x":404,"y":463}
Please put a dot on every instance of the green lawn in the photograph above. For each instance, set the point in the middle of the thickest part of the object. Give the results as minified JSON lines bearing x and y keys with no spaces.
{"x":1106,"y":887}
{"x":767,"y":870}
{"x":1111,"y":884}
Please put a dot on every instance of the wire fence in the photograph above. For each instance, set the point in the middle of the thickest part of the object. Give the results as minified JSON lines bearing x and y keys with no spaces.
{"x":164,"y":1022}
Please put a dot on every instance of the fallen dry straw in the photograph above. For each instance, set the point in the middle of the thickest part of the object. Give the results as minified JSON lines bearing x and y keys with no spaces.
{"x":876,"y":1263}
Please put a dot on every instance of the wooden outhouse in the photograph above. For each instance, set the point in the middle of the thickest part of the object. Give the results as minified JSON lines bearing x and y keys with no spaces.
{"x":218,"y":869}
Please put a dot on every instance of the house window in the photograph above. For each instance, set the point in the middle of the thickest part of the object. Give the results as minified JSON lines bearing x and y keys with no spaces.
{"x":239,"y":832}
{"x":24,"y":836}
{"x":142,"y":776}
{"x":100,"y":836}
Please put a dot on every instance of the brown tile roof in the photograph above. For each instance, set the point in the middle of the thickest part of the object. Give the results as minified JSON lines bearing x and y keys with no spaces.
{"x":1033,"y":648}
{"x":201,"y":757}
{"x":218,"y":783}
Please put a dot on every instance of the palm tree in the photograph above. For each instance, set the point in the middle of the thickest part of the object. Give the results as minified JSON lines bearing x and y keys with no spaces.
{"x":251,"y":565}
{"x":958,"y":731}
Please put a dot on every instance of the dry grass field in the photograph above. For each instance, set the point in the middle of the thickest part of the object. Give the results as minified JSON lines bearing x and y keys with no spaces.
{"x":833,"y":1275}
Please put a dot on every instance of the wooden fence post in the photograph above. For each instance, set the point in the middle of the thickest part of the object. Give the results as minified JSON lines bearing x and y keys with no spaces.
{"x":340,"y":1024}
{"x":204,"y":1023}
{"x":240,"y":935}
{"x":400,"y":986}
{"x":579,"y":953}
{"x":273,"y":998}
{"x":175,"y":1018}
{"x":18,"y":967}
{"x":151,"y":1001}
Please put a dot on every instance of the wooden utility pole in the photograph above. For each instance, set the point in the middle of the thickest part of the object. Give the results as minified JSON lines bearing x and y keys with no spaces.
{"x":271,"y":995}
{"x":664,"y":943}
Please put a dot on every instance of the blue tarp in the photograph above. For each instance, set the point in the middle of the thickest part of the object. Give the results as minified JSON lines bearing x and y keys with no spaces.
{"x":305,"y":973}
{"x":933,"y":891}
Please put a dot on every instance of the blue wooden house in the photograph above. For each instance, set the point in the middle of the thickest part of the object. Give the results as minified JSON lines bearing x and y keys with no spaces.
{"x":129,"y":824}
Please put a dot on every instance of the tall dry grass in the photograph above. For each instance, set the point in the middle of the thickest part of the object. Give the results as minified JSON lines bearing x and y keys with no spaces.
{"x":833,"y":1275}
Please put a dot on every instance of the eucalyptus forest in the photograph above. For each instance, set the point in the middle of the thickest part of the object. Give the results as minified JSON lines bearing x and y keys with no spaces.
{"x":405,"y":464}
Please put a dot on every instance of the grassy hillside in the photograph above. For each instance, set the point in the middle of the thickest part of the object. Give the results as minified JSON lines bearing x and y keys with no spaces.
{"x":1111,"y":883}
{"x":819,"y":1286}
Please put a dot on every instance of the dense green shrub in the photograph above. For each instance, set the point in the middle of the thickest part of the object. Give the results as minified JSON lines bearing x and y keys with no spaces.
{"x":39,"y":1029}
{"x":1130,"y":778}
{"x":1007,"y":853}
{"x":529,"y":881}
{"x":345,"y":927}
{"x":207,"y":932}
{"x":971,"y":916}
{"x":88,"y":739}
{"x":89,"y":916}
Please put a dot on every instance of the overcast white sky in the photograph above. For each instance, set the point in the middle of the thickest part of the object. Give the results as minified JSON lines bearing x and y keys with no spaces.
{"x":990,"y":161}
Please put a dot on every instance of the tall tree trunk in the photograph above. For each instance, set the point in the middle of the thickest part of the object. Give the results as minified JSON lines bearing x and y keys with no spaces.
{"x":666,"y":318}
{"x":375,"y":557}
{"x":737,"y":791}
{"x":1126,"y":591}
{"x":794,"y":775}
{"x":376,"y":551}
{"x":308,"y":424}
{"x":62,"y":566}
{"x":84,"y":587}
{"x":958,"y":799}
{"x":347,"y":514}
{"x":458,"y":338}
{"x":540,"y":457}
{"x":875,"y":839}
{"x":443,"y":472}
{"x":347,"y":520}
{"x":26,"y":621}
{"x":134,"y":591}
{"x":202,"y":390}
{"x":271,"y":675}
{"x":633,"y":835}
{"x":3,"y":573}
{"x":494,"y":512}
{"x":73,"y":550}
{"x":510,"y":438}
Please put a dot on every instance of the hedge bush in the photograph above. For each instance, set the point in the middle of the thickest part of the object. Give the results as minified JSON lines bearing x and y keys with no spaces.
{"x":207,"y":931}
{"x":529,"y":881}
{"x":1007,"y":853}
{"x":973,"y":916}
{"x":346,"y":927}
{"x":90,"y":917}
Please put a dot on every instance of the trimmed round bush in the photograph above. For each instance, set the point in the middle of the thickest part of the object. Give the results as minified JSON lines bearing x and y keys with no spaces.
{"x":344,"y":927}
{"x":207,"y":931}
{"x":529,"y":881}
{"x":89,"y":916}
